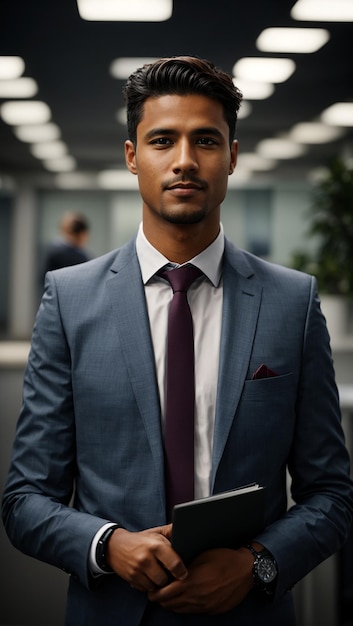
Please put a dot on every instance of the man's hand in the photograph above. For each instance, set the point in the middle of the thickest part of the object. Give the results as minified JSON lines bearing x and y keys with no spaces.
{"x":146,"y":559}
{"x":218,"y":581}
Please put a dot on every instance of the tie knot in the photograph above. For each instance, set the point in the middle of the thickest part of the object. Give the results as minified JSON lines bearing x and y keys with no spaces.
{"x":181,"y":278}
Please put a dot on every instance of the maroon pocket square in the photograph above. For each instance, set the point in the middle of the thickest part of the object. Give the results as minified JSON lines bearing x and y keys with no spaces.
{"x":263,"y":372}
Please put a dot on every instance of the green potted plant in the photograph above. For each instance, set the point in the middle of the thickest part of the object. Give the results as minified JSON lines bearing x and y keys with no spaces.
{"x":331,"y":225}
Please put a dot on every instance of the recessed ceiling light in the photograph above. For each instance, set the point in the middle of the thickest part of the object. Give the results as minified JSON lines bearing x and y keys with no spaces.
{"x":125,"y":10}
{"x":121,"y":116}
{"x":18,"y":88}
{"x":314,"y":132}
{"x":17,"y":113}
{"x":75,"y":180}
{"x":49,"y":150}
{"x":123,"y":67}
{"x":240,"y":176}
{"x":323,"y":10}
{"x":292,"y":39}
{"x":254,"y":89}
{"x":244,"y":110}
{"x":117,"y":179}
{"x":11,"y":67}
{"x":255,"y":161}
{"x":62,"y":164}
{"x":264,"y":69}
{"x":280,"y":149}
{"x":35,"y":133}
{"x":339,"y":114}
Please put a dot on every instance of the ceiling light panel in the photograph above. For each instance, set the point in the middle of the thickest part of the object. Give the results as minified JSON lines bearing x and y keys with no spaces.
{"x":62,"y":164}
{"x":254,"y":89}
{"x":17,"y":113}
{"x":121,"y":116}
{"x":11,"y":67}
{"x":314,"y":133}
{"x":18,"y":88}
{"x":35,"y":133}
{"x":75,"y":180}
{"x":49,"y":150}
{"x":244,"y":110}
{"x":339,"y":114}
{"x":280,"y":149}
{"x":323,"y":10}
{"x":125,"y":10}
{"x":123,"y":67}
{"x":304,"y":40}
{"x":270,"y":70}
{"x":239,"y":178}
{"x":255,"y":161}
{"x":117,"y":179}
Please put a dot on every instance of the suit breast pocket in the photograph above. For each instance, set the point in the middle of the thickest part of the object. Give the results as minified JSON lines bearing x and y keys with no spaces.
{"x":273,"y":392}
{"x":262,"y":432}
{"x":267,"y":408}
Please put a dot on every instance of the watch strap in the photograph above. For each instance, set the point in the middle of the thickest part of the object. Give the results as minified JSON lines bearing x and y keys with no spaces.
{"x":268,"y":588}
{"x":101,"y":549}
{"x":252,"y":550}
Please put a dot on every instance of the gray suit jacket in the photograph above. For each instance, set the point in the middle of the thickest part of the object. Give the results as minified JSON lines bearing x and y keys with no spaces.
{"x":90,"y":425}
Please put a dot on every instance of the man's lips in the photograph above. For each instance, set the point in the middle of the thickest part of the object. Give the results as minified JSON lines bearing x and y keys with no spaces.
{"x":183,"y":184}
{"x":185,"y":187}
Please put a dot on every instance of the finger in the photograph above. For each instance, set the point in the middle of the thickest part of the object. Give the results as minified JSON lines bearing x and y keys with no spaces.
{"x":149,"y":568}
{"x":145,"y":583}
{"x":175,"y":598}
{"x":167,"y":531}
{"x":158,"y":576}
{"x":167,"y":557}
{"x":169,"y":593}
{"x":172,"y":562}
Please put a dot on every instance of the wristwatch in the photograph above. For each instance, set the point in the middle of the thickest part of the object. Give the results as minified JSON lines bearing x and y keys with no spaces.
{"x":264,"y":570}
{"x":101,"y":549}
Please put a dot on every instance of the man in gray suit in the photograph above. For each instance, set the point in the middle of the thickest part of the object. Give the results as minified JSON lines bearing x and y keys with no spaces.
{"x":93,"y":418}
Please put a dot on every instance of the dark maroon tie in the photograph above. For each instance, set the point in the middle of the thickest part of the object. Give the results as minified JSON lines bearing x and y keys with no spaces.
{"x":180,"y":393}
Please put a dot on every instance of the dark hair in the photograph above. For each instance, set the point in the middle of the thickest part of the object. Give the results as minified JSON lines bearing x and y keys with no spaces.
{"x":75,"y":223}
{"x":180,"y":75}
{"x":79,"y":225}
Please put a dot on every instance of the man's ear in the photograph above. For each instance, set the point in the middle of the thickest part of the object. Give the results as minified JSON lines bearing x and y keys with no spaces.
{"x":130,"y":156}
{"x":233,"y":156}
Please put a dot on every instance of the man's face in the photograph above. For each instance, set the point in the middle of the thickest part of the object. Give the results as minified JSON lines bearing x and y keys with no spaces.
{"x":182,"y":159}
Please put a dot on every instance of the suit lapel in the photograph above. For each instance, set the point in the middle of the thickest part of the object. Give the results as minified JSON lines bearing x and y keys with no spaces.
{"x":127,"y":297}
{"x":241,"y":304}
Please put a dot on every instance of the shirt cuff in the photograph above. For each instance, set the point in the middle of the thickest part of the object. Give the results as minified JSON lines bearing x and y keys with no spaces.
{"x":92,"y":563}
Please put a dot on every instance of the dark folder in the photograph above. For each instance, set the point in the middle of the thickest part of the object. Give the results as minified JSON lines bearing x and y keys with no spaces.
{"x":225,"y":520}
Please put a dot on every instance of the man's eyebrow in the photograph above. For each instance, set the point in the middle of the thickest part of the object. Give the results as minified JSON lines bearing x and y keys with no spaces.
{"x":208,"y":130}
{"x":159,"y":131}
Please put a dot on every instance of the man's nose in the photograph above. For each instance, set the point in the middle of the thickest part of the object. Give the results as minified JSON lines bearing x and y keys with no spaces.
{"x":185,"y":157}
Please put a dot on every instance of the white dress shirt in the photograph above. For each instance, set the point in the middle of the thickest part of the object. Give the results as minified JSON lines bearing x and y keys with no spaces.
{"x":205,"y":300}
{"x":205,"y":297}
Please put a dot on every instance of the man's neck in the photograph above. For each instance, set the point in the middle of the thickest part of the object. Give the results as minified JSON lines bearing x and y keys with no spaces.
{"x":180,"y":243}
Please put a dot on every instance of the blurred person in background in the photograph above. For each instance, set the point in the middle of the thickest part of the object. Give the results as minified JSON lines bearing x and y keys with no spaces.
{"x":69,"y":249}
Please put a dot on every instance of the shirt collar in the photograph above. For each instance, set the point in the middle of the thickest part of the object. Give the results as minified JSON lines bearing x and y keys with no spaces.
{"x":209,"y":261}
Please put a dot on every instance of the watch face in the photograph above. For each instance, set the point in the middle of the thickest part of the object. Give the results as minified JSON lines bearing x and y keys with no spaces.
{"x":266,"y":570}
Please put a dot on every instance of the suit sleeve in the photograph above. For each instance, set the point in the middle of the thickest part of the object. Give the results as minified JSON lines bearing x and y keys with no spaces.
{"x":318,"y":523}
{"x":36,"y":505}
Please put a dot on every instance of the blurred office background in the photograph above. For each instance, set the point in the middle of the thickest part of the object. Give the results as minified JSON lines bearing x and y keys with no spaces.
{"x":62,"y":130}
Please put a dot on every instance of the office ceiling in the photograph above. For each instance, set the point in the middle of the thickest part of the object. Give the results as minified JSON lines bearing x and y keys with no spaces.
{"x":69,"y":58}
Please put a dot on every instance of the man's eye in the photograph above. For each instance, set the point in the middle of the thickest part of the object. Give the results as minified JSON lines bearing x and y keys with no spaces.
{"x":161,"y":141}
{"x":206,"y":141}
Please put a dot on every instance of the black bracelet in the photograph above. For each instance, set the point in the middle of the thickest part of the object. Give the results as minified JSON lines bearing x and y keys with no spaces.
{"x":101,"y":548}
